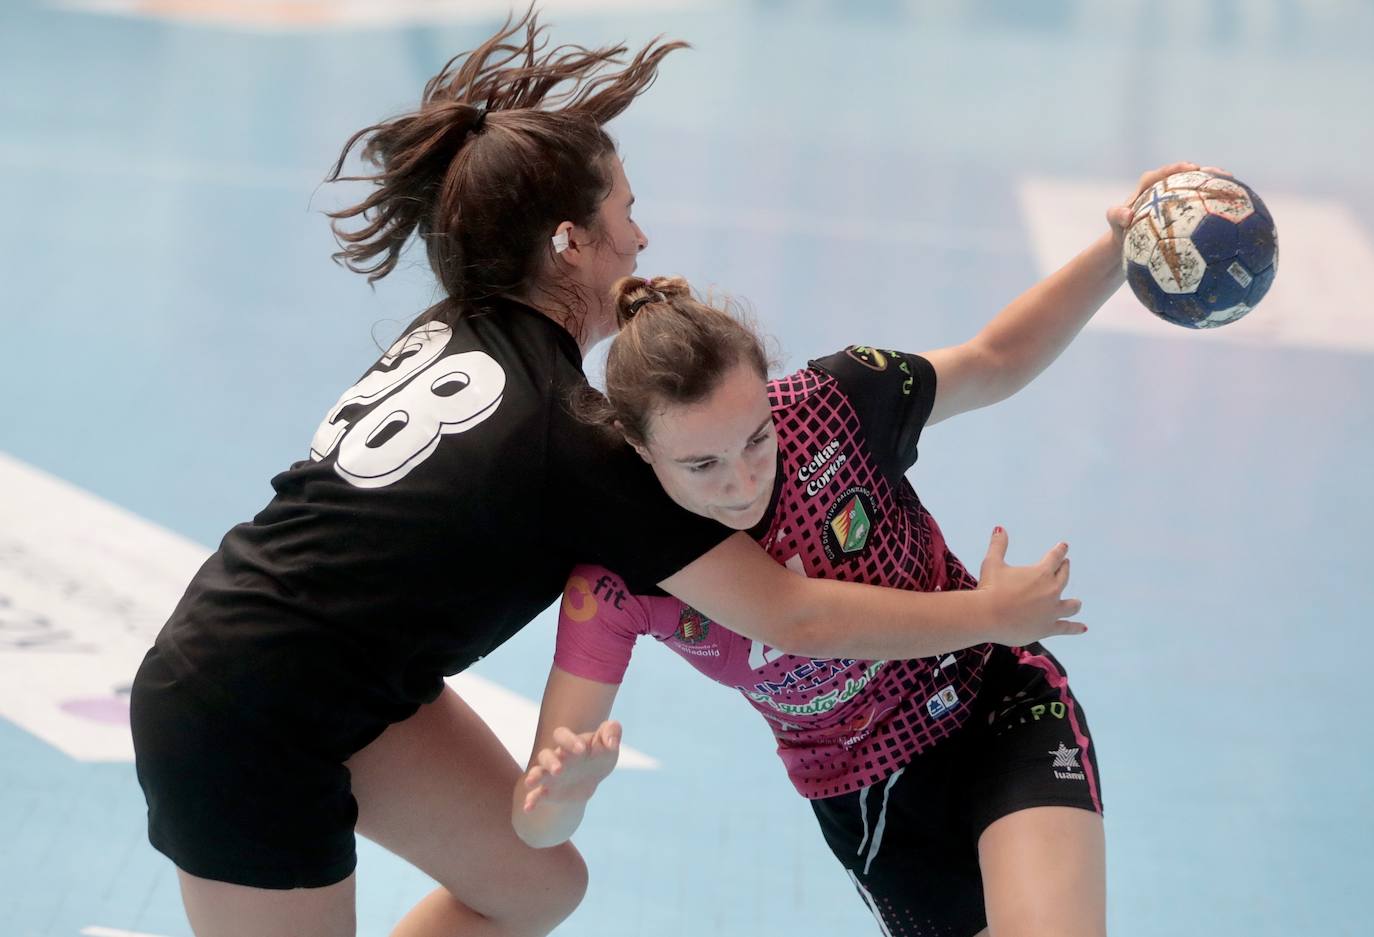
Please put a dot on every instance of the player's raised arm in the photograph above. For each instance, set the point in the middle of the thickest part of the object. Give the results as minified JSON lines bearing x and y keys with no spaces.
{"x":1031,"y":332}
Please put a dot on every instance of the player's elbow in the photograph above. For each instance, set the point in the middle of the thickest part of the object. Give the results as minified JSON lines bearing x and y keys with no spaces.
{"x":1004,"y":368}
{"x":807,"y":638}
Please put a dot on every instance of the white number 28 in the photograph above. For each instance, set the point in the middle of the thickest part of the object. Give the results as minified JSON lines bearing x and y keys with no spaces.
{"x":424,"y":398}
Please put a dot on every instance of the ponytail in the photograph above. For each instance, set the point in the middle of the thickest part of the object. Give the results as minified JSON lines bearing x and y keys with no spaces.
{"x":507,"y":143}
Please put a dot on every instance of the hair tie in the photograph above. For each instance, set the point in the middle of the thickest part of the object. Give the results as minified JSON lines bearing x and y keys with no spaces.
{"x":643,"y":301}
{"x":479,"y":121}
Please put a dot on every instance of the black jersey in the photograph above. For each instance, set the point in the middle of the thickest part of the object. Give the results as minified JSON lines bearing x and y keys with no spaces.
{"x":447,"y":495}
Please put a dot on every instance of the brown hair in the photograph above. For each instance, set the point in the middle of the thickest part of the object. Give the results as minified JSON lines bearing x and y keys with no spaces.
{"x":672,"y":348}
{"x":492,"y":161}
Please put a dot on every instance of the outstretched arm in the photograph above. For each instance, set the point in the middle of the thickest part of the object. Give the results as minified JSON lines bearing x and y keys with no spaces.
{"x":1030,"y":333}
{"x":740,"y":586}
{"x":575,"y":749}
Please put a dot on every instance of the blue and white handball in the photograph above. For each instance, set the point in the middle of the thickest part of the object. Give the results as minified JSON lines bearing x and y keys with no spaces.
{"x":1201,"y":250}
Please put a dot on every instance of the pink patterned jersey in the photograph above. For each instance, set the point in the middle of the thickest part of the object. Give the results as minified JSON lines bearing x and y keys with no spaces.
{"x":847,"y":429}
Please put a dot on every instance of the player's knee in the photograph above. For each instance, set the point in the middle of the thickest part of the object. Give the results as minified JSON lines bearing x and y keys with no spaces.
{"x":571,"y":882}
{"x":557,"y":882}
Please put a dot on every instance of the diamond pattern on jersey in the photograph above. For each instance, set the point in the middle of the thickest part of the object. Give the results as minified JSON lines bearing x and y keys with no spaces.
{"x":847,"y":724}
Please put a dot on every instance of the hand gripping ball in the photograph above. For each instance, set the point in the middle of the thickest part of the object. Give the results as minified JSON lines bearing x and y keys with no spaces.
{"x":1201,"y":250}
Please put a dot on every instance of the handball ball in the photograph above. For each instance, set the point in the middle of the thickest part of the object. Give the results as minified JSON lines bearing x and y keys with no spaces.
{"x":1201,"y":250}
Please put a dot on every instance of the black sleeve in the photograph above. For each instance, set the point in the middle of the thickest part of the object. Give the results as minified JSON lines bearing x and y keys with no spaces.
{"x":616,"y":513}
{"x":892,"y":393}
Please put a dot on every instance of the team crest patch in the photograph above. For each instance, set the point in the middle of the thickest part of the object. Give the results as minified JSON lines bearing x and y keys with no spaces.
{"x":849,"y":522}
{"x":692,"y":626}
{"x":869,"y":357}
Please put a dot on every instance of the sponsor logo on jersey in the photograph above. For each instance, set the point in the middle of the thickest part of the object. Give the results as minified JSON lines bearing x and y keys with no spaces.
{"x":869,"y":357}
{"x":943,"y":703}
{"x":1066,"y":758}
{"x":878,"y":360}
{"x":819,"y":705}
{"x":579,"y":604}
{"x":810,"y":674}
{"x":692,"y":626}
{"x":610,"y":590}
{"x":582,"y":599}
{"x":859,"y":728}
{"x":848,"y":522}
{"x":821,"y":468}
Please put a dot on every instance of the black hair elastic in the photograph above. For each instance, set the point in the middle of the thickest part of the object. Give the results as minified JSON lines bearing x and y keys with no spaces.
{"x":643,"y":301}
{"x":479,"y":121}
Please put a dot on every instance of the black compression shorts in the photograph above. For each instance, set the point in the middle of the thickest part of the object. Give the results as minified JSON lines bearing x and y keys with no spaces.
{"x":910,"y":841}
{"x":228,"y":800}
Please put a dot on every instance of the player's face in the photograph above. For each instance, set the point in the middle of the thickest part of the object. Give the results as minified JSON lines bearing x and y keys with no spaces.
{"x":614,"y":249}
{"x":718,"y":457}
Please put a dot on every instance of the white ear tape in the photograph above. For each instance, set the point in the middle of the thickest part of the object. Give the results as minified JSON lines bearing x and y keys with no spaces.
{"x":560,"y":242}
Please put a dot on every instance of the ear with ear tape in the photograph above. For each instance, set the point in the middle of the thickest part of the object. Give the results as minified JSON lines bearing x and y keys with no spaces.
{"x":560,"y":242}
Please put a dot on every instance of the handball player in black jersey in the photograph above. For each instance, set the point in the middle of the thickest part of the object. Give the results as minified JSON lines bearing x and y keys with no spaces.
{"x":296,"y":695}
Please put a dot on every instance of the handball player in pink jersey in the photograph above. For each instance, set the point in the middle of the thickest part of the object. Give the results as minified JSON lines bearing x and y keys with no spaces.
{"x":960,"y":789}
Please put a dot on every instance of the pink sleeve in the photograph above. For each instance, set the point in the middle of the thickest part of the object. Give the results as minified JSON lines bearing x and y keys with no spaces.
{"x":598,"y":622}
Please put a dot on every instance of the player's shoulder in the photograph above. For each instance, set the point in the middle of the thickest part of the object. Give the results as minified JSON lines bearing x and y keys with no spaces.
{"x":861,"y":359}
{"x":866,"y":369}
{"x":595,"y":592}
{"x":584,"y":573}
{"x":855,"y":371}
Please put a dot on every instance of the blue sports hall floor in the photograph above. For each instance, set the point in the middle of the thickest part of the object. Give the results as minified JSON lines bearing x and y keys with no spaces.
{"x":887,"y":173}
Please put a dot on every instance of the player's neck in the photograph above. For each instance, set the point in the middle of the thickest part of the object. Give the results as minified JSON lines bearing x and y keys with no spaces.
{"x":546,"y":303}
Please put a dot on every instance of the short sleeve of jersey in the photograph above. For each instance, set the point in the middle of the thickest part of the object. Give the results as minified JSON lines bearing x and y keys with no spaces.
{"x":613,"y":511}
{"x":598,"y":623}
{"x":892,"y":392}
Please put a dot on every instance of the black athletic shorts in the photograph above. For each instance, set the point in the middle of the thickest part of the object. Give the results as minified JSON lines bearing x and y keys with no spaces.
{"x":230,"y":800}
{"x":910,"y":841}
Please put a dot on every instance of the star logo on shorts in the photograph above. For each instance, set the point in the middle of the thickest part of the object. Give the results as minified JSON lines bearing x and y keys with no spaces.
{"x":1065,"y":757}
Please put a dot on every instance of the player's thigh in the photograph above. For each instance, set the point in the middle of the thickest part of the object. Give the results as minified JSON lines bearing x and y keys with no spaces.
{"x":436,"y":791}
{"x":219,"y":909}
{"x":1044,"y":873}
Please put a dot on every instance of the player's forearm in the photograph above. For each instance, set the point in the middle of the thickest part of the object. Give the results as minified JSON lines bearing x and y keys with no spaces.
{"x":1035,"y":328}
{"x":842,"y":619}
{"x":549,"y":823}
{"x":740,"y":586}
